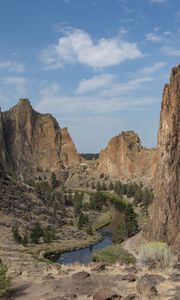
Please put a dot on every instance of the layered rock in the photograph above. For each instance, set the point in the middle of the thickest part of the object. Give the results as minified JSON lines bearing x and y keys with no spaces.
{"x":124,"y":158}
{"x":34,"y":141}
{"x":164,"y":221}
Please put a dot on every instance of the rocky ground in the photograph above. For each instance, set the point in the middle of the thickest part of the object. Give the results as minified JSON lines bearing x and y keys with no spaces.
{"x":33,"y":279}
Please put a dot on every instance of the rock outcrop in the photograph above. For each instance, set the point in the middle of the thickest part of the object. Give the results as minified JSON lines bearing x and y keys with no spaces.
{"x":34,"y":141}
{"x":3,"y":152}
{"x":164,"y":221}
{"x":124,"y":158}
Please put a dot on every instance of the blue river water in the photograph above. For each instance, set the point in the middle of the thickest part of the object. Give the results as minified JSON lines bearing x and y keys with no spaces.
{"x":84,"y":255}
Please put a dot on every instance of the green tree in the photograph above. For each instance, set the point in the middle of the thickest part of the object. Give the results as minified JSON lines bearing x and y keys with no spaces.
{"x":36,"y":233}
{"x":89,"y":230}
{"x":111,"y":186}
{"x":83,"y":220}
{"x":25,"y":240}
{"x":130,"y":190}
{"x":16,"y":235}
{"x":48,"y":235}
{"x":138,"y":196}
{"x":147,"y":198}
{"x":104,"y":187}
{"x":78,"y":199}
{"x":69,"y":198}
{"x":98,"y":187}
{"x":54,"y":181}
{"x":4,"y":281}
{"x":130,"y":220}
{"x":119,"y":188}
{"x":97,"y":201}
{"x":93,"y":185}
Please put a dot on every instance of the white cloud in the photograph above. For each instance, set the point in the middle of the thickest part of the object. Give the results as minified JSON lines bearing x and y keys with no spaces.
{"x":107,"y":85}
{"x":48,"y":90}
{"x":153,"y":37}
{"x":52,"y":101}
{"x":19,"y":83}
{"x":154,"y":68}
{"x":95,"y":83}
{"x":167,"y":32}
{"x":77,"y":46}
{"x":170,"y":51}
{"x":12,"y":66}
{"x":120,"y":88}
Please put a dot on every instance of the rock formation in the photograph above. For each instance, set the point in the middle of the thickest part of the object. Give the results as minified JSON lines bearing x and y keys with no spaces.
{"x":124,"y":158}
{"x":69,"y":154}
{"x":164,"y":222}
{"x":34,"y":141}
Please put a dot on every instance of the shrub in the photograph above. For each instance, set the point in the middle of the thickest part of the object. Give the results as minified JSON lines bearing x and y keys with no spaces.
{"x":48,"y":235}
{"x":4,"y":281}
{"x":111,"y":186}
{"x":83,"y":220}
{"x":98,"y":187}
{"x":77,"y":201}
{"x":25,"y":240}
{"x":156,"y":254}
{"x":36,"y":233}
{"x":112,"y":254}
{"x":54,"y":182}
{"x":89,"y":230}
{"x":16,"y":236}
{"x":104,"y":187}
{"x":101,"y":175}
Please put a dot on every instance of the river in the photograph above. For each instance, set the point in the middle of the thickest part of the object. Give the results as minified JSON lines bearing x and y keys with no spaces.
{"x":84,"y":255}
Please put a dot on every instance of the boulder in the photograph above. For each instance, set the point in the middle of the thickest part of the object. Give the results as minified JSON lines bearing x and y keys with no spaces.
{"x":80,"y":276}
{"x":130,"y":277}
{"x":146,"y":286}
{"x":106,"y":294}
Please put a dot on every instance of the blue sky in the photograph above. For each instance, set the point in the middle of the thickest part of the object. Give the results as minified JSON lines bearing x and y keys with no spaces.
{"x":99,"y":66}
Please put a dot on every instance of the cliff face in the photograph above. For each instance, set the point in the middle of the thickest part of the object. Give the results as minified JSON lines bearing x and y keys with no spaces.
{"x":34,"y":141}
{"x":3,"y":157}
{"x":125,"y":158}
{"x":69,"y":154}
{"x":164,"y":221}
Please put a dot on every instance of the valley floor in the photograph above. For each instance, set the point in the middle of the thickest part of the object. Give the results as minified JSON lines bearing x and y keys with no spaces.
{"x":32,"y":279}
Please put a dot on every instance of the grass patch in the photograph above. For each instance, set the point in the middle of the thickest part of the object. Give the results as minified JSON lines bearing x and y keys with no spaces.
{"x":141,"y":218}
{"x":44,"y":260}
{"x":156,"y":254}
{"x":103,"y":220}
{"x":113,"y":254}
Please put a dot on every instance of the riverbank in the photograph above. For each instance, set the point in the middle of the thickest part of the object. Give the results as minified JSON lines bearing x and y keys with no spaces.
{"x":69,"y":239}
{"x":32,"y":279}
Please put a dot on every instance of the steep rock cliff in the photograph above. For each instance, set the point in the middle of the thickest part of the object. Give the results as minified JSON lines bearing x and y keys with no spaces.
{"x":34,"y":141}
{"x":164,"y":221}
{"x":124,"y":158}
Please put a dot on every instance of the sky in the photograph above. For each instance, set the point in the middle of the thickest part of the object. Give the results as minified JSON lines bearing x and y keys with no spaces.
{"x":99,"y":66}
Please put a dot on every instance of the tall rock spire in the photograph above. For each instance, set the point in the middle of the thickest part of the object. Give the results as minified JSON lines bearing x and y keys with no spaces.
{"x":164,"y":220}
{"x":34,"y":141}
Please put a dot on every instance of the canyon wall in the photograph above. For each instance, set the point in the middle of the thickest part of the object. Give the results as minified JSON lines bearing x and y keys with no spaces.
{"x":30,"y":141}
{"x":126,"y":159}
{"x":164,"y":220}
